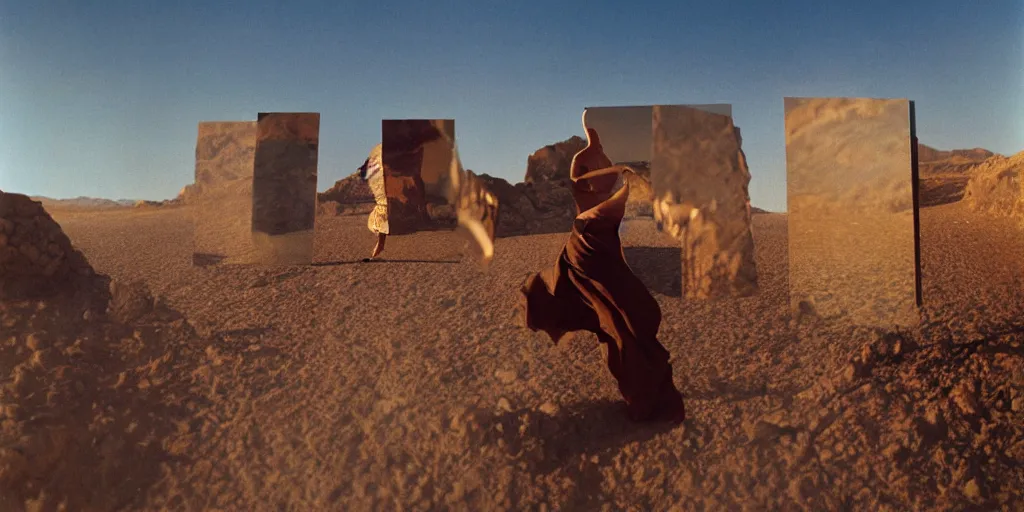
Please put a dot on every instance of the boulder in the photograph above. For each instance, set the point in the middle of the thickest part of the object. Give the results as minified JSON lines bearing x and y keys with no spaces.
{"x":551,"y":163}
{"x":37,"y":260}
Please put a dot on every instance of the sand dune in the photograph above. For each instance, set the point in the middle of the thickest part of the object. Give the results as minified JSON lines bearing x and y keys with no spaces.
{"x":406,"y":385}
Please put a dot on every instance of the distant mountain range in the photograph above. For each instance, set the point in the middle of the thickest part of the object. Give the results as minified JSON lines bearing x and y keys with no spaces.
{"x":85,"y":203}
{"x":940,"y":170}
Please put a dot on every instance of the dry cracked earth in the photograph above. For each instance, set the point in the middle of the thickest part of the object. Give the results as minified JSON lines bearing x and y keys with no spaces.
{"x":410,"y":384}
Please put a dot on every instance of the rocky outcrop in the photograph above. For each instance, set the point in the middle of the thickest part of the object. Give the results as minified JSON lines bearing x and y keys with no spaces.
{"x":943,"y":175}
{"x":186,"y":196}
{"x":995,"y":186}
{"x":551,"y":163}
{"x":531,"y":208}
{"x":37,"y":259}
{"x":349,"y":190}
{"x":78,"y":348}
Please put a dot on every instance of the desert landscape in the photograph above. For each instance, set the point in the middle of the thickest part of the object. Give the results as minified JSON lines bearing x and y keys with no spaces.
{"x":135,"y":380}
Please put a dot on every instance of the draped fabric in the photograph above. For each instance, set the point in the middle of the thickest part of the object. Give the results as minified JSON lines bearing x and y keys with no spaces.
{"x":373,"y":173}
{"x":591,"y":288}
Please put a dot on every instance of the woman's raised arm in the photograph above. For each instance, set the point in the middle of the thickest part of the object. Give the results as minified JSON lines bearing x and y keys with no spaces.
{"x":614,"y":169}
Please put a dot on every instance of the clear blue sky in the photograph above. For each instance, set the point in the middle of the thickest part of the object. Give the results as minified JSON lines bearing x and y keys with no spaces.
{"x":102,"y":98}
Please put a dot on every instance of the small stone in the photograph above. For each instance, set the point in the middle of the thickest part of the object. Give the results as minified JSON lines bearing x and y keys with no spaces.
{"x":963,"y":397}
{"x":33,"y":342}
{"x":972,"y":490}
{"x":505,"y":377}
{"x":504,"y":405}
{"x":850,"y":372}
{"x":40,"y":359}
{"x":549,"y":408}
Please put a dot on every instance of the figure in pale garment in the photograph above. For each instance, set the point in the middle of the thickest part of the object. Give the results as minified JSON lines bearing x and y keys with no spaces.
{"x":372,"y":171}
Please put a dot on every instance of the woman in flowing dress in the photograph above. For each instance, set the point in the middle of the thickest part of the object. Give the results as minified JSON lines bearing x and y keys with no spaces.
{"x":591,"y":288}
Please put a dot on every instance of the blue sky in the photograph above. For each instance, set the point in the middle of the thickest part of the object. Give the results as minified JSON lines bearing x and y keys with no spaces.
{"x":104,"y":100}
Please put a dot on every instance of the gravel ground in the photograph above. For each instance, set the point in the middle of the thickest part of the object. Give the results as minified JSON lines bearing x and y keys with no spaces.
{"x":409,"y":384}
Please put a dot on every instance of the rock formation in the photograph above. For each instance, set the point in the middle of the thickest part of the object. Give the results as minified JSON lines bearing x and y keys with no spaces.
{"x":531,"y":208}
{"x":78,"y":348}
{"x":349,"y":190}
{"x":995,"y":186}
{"x":37,"y":259}
{"x":943,"y":175}
{"x":551,"y":163}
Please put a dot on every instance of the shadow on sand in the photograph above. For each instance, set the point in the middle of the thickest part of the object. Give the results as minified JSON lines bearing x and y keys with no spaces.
{"x":201,"y":259}
{"x":660,"y":268}
{"x":364,"y":261}
{"x":82,"y":472}
{"x":577,"y":441}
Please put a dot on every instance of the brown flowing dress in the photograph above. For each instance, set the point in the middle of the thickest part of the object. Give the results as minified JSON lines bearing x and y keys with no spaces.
{"x":591,"y":288}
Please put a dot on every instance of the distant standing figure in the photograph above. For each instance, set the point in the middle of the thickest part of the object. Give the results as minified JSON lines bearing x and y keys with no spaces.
{"x":591,"y":288}
{"x":372,"y":171}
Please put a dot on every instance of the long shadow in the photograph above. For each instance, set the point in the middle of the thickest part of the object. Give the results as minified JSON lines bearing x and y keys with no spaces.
{"x":108,"y":475}
{"x":201,"y":259}
{"x":542,"y":230}
{"x":660,"y":268}
{"x":578,"y":441}
{"x":397,"y":230}
{"x":549,"y":443}
{"x":363,"y":262}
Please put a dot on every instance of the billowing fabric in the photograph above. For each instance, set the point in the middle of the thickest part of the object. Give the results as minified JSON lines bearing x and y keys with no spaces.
{"x":374,"y":175}
{"x":591,"y":288}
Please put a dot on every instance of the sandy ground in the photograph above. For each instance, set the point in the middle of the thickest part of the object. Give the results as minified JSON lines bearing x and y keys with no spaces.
{"x":410,"y":385}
